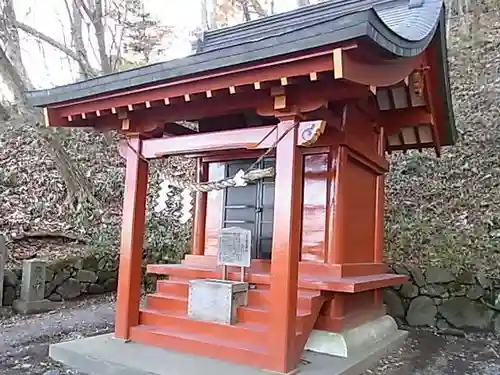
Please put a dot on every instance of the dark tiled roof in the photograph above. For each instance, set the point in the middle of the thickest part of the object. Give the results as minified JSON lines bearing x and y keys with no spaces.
{"x":402,"y":27}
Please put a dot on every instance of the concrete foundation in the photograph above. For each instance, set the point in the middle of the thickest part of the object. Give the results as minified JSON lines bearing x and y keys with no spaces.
{"x":352,"y":341}
{"x":105,"y":355}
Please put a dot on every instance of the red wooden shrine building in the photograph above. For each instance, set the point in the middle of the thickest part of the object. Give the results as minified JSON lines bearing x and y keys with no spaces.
{"x":374,"y":71}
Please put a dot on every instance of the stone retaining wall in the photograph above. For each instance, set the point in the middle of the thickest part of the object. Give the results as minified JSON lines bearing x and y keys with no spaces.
{"x":65,"y":280}
{"x":439,"y":297}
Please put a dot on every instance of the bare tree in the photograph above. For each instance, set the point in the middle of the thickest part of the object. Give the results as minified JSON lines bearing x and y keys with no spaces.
{"x":14,"y":75}
{"x":223,"y":11}
{"x":205,"y":24}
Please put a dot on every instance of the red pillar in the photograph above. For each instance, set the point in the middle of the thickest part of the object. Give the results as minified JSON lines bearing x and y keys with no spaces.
{"x":134,"y":210}
{"x":379,"y":210}
{"x":285,"y":250}
{"x":200,"y":213}
{"x":336,"y":246}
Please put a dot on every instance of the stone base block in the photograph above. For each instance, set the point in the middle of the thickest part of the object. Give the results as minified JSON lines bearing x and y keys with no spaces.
{"x":105,"y":355}
{"x":35,"y":307}
{"x":354,"y":340}
{"x":216,"y":300}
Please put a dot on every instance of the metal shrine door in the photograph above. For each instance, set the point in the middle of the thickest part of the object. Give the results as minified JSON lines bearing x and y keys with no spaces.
{"x":251,"y":207}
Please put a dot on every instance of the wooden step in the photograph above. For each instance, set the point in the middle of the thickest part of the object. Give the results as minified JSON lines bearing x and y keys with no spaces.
{"x":167,"y":302}
{"x":305,"y":298}
{"x":200,"y":344}
{"x":248,"y":333}
{"x":260,"y":315}
{"x":173,"y":287}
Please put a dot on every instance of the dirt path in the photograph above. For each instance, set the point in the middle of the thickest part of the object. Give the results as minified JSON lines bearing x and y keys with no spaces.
{"x":24,"y":343}
{"x":426,"y":353}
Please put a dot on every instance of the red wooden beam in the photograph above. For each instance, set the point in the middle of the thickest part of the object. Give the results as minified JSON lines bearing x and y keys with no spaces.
{"x":252,"y":138}
{"x":268,"y":71}
{"x":351,"y":65}
{"x":309,"y":92}
{"x":261,"y":137}
{"x":393,"y":120}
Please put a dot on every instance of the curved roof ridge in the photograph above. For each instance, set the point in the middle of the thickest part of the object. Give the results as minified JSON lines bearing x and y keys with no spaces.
{"x":410,"y":23}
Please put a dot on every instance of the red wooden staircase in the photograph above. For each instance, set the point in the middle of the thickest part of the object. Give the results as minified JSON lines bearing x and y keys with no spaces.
{"x":164,"y":322}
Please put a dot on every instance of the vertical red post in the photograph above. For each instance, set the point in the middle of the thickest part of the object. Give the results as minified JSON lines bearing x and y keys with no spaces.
{"x":379,"y":207}
{"x":285,"y":250}
{"x":330,"y":208}
{"x":378,"y":256}
{"x":134,"y":211}
{"x":336,"y":244}
{"x":200,"y":215}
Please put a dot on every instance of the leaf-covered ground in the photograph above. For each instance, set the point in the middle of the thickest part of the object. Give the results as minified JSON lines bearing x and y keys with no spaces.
{"x":442,"y":211}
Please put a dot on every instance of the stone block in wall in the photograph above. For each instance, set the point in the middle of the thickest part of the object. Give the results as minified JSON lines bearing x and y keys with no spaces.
{"x":110,"y":285}
{"x":69,"y":289}
{"x":95,"y":289}
{"x":54,"y":297}
{"x":422,"y":312}
{"x":86,"y":276}
{"x":409,"y":290}
{"x":90,"y":263}
{"x":103,"y":276}
{"x":394,"y":303}
{"x":461,"y":312}
{"x":475,"y":292}
{"x":466,"y":277}
{"x":9,"y":295}
{"x":484,"y":281}
{"x":400,"y":269}
{"x":438,"y":275}
{"x":417,"y":275}
{"x":435,"y":290}
{"x":11,"y":279}
{"x":456,"y":289}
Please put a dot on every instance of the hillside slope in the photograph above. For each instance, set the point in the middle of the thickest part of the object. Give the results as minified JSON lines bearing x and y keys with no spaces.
{"x":446,"y":211}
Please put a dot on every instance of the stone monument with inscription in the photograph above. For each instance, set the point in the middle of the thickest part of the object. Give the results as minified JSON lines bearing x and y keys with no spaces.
{"x":31,"y":300}
{"x":218,"y":300}
{"x":3,"y":261}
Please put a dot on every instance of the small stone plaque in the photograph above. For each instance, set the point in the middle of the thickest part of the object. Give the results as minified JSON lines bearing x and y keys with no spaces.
{"x":234,"y":247}
{"x":33,"y":280}
{"x":3,"y":260}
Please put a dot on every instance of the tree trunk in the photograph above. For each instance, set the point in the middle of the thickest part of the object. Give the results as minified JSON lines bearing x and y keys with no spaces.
{"x":213,"y":15}
{"x":271,"y":7}
{"x":98,"y":22}
{"x":204,"y":15}
{"x":12,"y":42}
{"x":261,"y":12}
{"x":246,"y":12}
{"x":76,"y":19}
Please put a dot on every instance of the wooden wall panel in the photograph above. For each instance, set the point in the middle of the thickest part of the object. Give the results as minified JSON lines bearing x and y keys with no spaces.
{"x":314,"y":212}
{"x":316,"y":185}
{"x":216,"y":171}
{"x":359,"y":217}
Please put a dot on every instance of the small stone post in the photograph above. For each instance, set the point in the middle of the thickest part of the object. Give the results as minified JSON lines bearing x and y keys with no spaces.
{"x":31,"y":300}
{"x":3,"y":260}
